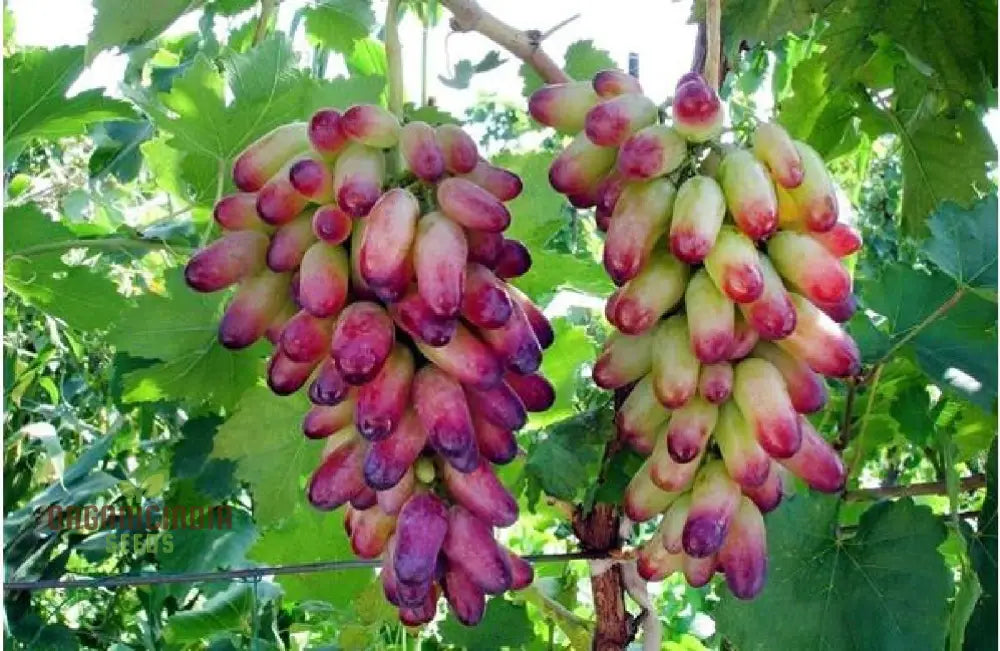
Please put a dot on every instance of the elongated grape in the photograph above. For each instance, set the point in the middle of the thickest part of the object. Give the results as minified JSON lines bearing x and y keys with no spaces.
{"x":514,"y":343}
{"x":522,"y":574}
{"x":277,"y":324}
{"x":715,"y":498}
{"x":816,"y":462}
{"x":423,"y":613}
{"x":484,"y":248}
{"x":382,"y":401}
{"x":499,"y":405}
{"x":610,"y":123}
{"x":841,"y":311}
{"x":325,"y":132}
{"x":611,"y":83}
{"x":774,"y":147}
{"x":773,"y":315}
{"x":641,"y":217}
{"x":284,"y":376}
{"x":458,"y":147}
{"x":667,"y":473}
{"x":388,"y":236}
{"x":759,"y":392}
{"x":654,"y":563}
{"x":745,"y":337}
{"x":674,"y":364}
{"x":698,"y":571}
{"x":734,"y":266}
{"x":329,"y":387}
{"x":312,"y":178}
{"x":371,"y":125}
{"x":362,"y":340}
{"x":471,"y":206}
{"x":305,"y":338}
{"x":370,"y":531}
{"x":238,"y":212}
{"x":563,"y":107}
{"x":697,"y":218}
{"x":710,"y":319}
{"x":514,"y":260}
{"x":226,"y":261}
{"x":323,"y":278}
{"x":392,"y":499}
{"x":715,"y":382}
{"x":365,"y":499}
{"x":749,"y":194}
{"x":420,"y":531}
{"x":338,"y":478}
{"x":470,"y":544}
{"x":806,"y":388}
{"x":689,"y":428}
{"x":656,"y":150}
{"x":331,"y":224}
{"x":465,"y":358}
{"x":357,"y":178}
{"x":290,"y":243}
{"x":440,"y":255}
{"x":265,"y":156}
{"x":745,"y":460}
{"x":789,"y":215}
{"x":485,"y":302}
{"x":496,"y":444}
{"x":820,"y":342}
{"x":624,"y":359}
{"x":482,"y":494}
{"x":415,"y":317}
{"x":536,"y":318}
{"x":808,"y":266}
{"x":421,"y":152}
{"x":743,"y":557}
{"x":466,"y":599}
{"x":654,"y":291}
{"x":278,"y":202}
{"x":696,"y":110}
{"x":580,"y":167}
{"x":641,"y":417}
{"x":388,"y":460}
{"x":444,"y":413}
{"x":644,"y":499}
{"x":815,"y":196}
{"x":768,"y":495}
{"x":257,"y":302}
{"x":672,"y":527}
{"x":535,"y":392}
{"x":501,"y":183}
{"x":841,"y":240}
{"x":322,"y":421}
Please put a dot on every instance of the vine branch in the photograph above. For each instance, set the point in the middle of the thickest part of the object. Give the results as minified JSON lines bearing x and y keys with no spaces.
{"x":106,"y":243}
{"x":713,"y":43}
{"x":965,"y":484}
{"x":469,"y":16}
{"x":267,"y":9}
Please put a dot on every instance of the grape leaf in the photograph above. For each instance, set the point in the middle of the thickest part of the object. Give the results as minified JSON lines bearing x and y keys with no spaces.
{"x":193,"y":447}
{"x":230,"y":610}
{"x":953,"y":335}
{"x":40,"y":107}
{"x":943,"y":159}
{"x":339,"y":24}
{"x":537,"y":213}
{"x":582,"y":62}
{"x":815,"y":112}
{"x":117,"y":151}
{"x":963,"y":243}
{"x":752,"y":21}
{"x":981,"y":632}
{"x":368,"y":58}
{"x":310,"y":536}
{"x":566,"y":455}
{"x":264,"y":438}
{"x":232,"y":7}
{"x":504,"y":625}
{"x":886,"y":587}
{"x":119,"y":23}
{"x":206,"y":550}
{"x":78,"y":295}
{"x":561,"y":365}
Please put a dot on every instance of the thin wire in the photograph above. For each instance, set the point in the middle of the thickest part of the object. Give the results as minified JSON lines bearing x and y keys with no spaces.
{"x":120,"y":580}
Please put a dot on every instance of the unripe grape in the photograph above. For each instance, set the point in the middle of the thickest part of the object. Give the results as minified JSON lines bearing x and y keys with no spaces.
{"x":749,"y":194}
{"x":744,"y":338}
{"x":745,"y":460}
{"x":459,"y":149}
{"x":669,"y":474}
{"x":643,"y":499}
{"x":759,"y":392}
{"x":774,"y":147}
{"x":580,"y":167}
{"x":250,"y":312}
{"x":697,"y":218}
{"x":715,"y":499}
{"x":671,"y":529}
{"x":768,"y":495}
{"x":697,"y":111}
{"x":841,"y":311}
{"x":689,"y":428}
{"x":357,"y":178}
{"x":789,"y":215}
{"x":656,"y":150}
{"x":743,"y":557}
{"x":842,"y":240}
{"x":806,"y":388}
{"x":262,"y":159}
{"x":563,"y":107}
{"x":816,"y":462}
{"x":624,"y":359}
{"x":641,"y":217}
{"x":653,"y":563}
{"x":610,"y":123}
{"x":371,"y":125}
{"x":821,"y":343}
{"x":674,"y":365}
{"x":421,"y":152}
{"x":656,"y":290}
{"x":326,"y":133}
{"x":807,"y":265}
{"x":715,"y":382}
{"x":734,"y":266}
{"x":641,"y":417}
{"x":710,"y":319}
{"x":815,"y":196}
{"x":772,"y":315}
{"x":611,"y":83}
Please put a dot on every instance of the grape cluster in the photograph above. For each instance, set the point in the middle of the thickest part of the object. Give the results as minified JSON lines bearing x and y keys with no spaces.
{"x":392,"y":304}
{"x":730,"y":290}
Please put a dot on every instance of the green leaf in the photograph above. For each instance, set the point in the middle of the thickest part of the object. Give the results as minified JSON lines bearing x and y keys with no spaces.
{"x":885,"y":588}
{"x":232,"y":7}
{"x":264,"y":438}
{"x":944,"y":159}
{"x":752,"y":21}
{"x":310,"y":536}
{"x":230,"y":610}
{"x":911,"y":409}
{"x":119,"y":23}
{"x":562,"y":364}
{"x":504,"y":625}
{"x":339,"y":24}
{"x":963,"y":243}
{"x":582,"y":61}
{"x":206,"y":550}
{"x":565,"y":457}
{"x":117,"y":151}
{"x":40,"y":107}
{"x":368,"y":58}
{"x":981,"y":632}
{"x":953,"y":335}
{"x":464,"y":69}
{"x":78,"y":295}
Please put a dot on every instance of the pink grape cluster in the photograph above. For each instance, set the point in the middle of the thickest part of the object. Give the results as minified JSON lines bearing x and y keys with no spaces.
{"x":730,"y":287}
{"x":393,"y":306}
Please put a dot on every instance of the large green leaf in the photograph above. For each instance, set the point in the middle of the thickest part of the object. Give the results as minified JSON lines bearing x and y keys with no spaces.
{"x":885,"y":588}
{"x":230,"y":610}
{"x":963,"y":243}
{"x":34,"y":270}
{"x":565,"y":457}
{"x":339,"y":24}
{"x":36,"y":105}
{"x":753,"y":21}
{"x":121,"y":24}
{"x":981,"y":632}
{"x":206,"y":550}
{"x":952,"y":333}
{"x":264,"y":438}
{"x":309,"y":536}
{"x":504,"y":625}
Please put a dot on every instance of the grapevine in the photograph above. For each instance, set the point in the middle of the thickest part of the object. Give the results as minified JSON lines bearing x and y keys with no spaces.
{"x":730,"y":287}
{"x":383,"y":288}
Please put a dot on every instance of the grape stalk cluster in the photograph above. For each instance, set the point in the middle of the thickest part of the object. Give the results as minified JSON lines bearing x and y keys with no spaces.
{"x":729,"y":293}
{"x":372,"y":255}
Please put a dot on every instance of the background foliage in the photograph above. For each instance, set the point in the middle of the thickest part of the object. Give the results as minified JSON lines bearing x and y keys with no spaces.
{"x":116,"y":391}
